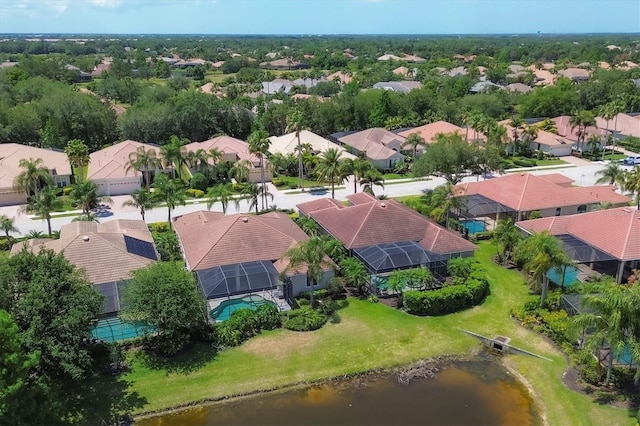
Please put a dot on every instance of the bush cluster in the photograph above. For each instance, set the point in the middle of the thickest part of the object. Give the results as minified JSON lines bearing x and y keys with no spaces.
{"x":524,"y":162}
{"x":6,"y":243}
{"x":195,"y":193}
{"x":277,"y":182}
{"x":304,"y":319}
{"x":246,"y":323}
{"x":449,"y":299}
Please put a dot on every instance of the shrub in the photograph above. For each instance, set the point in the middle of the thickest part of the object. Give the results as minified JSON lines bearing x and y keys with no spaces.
{"x":6,"y":243}
{"x":158,"y":227}
{"x":67,"y":190}
{"x":535,"y":215}
{"x":483,"y":235}
{"x":195,"y":193}
{"x":524,"y":162}
{"x":239,"y":187}
{"x":317,"y":295}
{"x":245,"y":323}
{"x":373,"y":298}
{"x":304,"y":319}
{"x":277,"y":182}
{"x":447,"y":299}
{"x":460,"y":267}
{"x":199,"y":181}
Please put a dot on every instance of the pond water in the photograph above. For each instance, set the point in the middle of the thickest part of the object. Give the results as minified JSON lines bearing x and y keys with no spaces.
{"x":464,"y":393}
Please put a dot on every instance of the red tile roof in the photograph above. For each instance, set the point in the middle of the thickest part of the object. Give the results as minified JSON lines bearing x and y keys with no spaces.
{"x":428,"y":132}
{"x":613,"y":231}
{"x":212,"y":239}
{"x":527,"y":192}
{"x":376,"y":222}
{"x":563,"y":126}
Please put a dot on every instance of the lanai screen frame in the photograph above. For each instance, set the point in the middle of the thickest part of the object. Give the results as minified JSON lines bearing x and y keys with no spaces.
{"x":477,"y":205}
{"x":239,"y":278}
{"x":388,"y":257}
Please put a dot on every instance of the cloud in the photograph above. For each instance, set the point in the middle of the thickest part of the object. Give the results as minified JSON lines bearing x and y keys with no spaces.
{"x":106,"y":3}
{"x":33,"y":8}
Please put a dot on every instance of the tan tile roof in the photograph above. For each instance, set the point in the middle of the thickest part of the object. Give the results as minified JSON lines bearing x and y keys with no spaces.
{"x":98,"y":248}
{"x":543,"y":137}
{"x":563,"y":125}
{"x":212,"y":239}
{"x":344,"y":78}
{"x":518,"y":87}
{"x":613,"y":231}
{"x":575,"y":73}
{"x":287,"y":144}
{"x":377,"y":222}
{"x":623,"y":124}
{"x":527,"y":192}
{"x":378,"y":143}
{"x":110,"y":162}
{"x":428,"y":132}
{"x":234,"y":149}
{"x":12,"y":153}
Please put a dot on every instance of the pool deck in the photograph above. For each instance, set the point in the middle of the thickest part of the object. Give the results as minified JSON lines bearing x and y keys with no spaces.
{"x":270,"y":295}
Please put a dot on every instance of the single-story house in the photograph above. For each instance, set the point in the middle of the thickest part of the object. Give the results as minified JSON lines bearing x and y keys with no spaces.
{"x":623,"y":124}
{"x":234,"y":150}
{"x":429,"y":132}
{"x":284,"y":64}
{"x":518,"y":87}
{"x":278,"y":85}
{"x":387,"y":235}
{"x":380,"y":146}
{"x":107,"y":252}
{"x":484,"y":86}
{"x":575,"y":74}
{"x":242,"y":253}
{"x":563,"y":127}
{"x":108,"y":168}
{"x":341,"y":77}
{"x":287,"y":144}
{"x":398,"y":86}
{"x":606,"y":240}
{"x":547,"y":142}
{"x":389,"y":57}
{"x":11,"y":154}
{"x":517,"y":195}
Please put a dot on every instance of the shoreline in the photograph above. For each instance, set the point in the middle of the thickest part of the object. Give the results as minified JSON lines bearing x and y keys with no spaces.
{"x":535,"y":396}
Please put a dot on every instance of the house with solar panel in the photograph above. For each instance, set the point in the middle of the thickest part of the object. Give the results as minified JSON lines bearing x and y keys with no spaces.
{"x":239,"y":260}
{"x":386,"y":235}
{"x":108,"y":253}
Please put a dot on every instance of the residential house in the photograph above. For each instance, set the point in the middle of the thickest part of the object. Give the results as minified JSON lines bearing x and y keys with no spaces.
{"x":278,"y":85}
{"x":398,"y":86}
{"x":284,"y":64}
{"x":413,"y":58}
{"x":515,"y":68}
{"x":577,"y":75}
{"x":387,"y":235}
{"x":308,"y":83}
{"x":484,"y":86}
{"x":547,"y":142}
{"x":10,"y":155}
{"x":402,"y":71}
{"x":606,"y":240}
{"x":340,"y":76}
{"x":429,"y":132}
{"x":108,"y":168}
{"x":389,"y":57}
{"x":518,"y":87}
{"x":564,"y":129}
{"x":234,"y":150}
{"x":243,"y":253}
{"x":456,"y":72}
{"x":380,"y":146}
{"x":79,"y":75}
{"x":287,"y":144}
{"x":623,"y":124}
{"x":517,"y":195}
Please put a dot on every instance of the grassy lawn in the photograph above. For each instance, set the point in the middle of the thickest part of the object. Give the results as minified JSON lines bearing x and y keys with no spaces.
{"x":371,"y":336}
{"x":293,"y":181}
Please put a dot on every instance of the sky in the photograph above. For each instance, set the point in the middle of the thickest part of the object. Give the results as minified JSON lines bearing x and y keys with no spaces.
{"x":315,"y":17}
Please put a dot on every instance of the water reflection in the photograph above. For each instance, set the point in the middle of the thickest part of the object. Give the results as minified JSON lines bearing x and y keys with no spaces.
{"x":470,"y":393}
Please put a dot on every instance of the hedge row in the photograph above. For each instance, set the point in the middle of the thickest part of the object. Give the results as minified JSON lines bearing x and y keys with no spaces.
{"x":448,"y":299}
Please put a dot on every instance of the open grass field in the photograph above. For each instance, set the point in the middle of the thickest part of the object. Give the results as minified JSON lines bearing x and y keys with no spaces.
{"x":371,"y":336}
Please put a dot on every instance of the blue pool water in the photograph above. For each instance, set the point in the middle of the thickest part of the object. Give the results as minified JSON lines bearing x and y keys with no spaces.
{"x":570,"y":276}
{"x":474,"y":225}
{"x":114,"y":330}
{"x":224,"y":310}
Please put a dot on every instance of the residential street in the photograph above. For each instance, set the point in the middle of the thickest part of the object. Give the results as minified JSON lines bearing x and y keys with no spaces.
{"x":583,"y":172}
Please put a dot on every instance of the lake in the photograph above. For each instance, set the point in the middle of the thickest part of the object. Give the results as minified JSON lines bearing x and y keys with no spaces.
{"x":462,"y":393}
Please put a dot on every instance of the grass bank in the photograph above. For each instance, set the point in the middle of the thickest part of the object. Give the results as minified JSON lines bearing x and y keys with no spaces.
{"x":369,"y":337}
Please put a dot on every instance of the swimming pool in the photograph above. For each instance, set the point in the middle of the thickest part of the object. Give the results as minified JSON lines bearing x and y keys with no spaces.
{"x":224,"y":310}
{"x":570,"y":276}
{"x":114,"y":330}
{"x":474,"y":225}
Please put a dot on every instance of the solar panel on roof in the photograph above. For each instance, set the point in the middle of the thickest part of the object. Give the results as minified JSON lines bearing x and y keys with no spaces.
{"x":140,"y":248}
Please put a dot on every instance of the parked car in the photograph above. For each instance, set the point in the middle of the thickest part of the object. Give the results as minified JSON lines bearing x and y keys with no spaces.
{"x":631,"y":160}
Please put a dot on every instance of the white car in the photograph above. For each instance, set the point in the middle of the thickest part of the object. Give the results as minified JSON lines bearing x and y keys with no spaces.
{"x":631,"y":160}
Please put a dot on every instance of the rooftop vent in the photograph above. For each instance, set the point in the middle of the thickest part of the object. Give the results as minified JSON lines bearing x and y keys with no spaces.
{"x":245,"y":219}
{"x":383,"y":205}
{"x":85,"y":238}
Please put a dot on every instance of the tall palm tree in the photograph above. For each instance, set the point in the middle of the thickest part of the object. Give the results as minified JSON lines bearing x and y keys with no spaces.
{"x":611,"y":174}
{"x":329,"y":168}
{"x":614,"y":314}
{"x":171,"y":192}
{"x":414,"y":140}
{"x":507,"y":235}
{"x":85,"y":194}
{"x":582,"y":120}
{"x":355,"y":273}
{"x":143,"y":200}
{"x":44,"y":203}
{"x":309,"y":254}
{"x":308,"y":225}
{"x":370,"y":179}
{"x":541,"y":252}
{"x":251,"y":193}
{"x":78,"y":155}
{"x":259,"y":145}
{"x":593,"y":144}
{"x":632,"y":184}
{"x":33,"y":176}
{"x":517,"y":125}
{"x":174,"y":154}
{"x":240,"y":170}
{"x":145,"y":161}
{"x":616,"y":107}
{"x":295,"y":122}
{"x":7,"y":224}
{"x":198,"y":161}
{"x":529,"y":134}
{"x":547,"y":125}
{"x":443,"y":201}
{"x":356,"y":167}
{"x":607,"y":113}
{"x":221,"y":194}
{"x":215,"y":155}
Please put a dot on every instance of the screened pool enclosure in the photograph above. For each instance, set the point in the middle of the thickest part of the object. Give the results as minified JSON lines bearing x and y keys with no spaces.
{"x":240,"y":278}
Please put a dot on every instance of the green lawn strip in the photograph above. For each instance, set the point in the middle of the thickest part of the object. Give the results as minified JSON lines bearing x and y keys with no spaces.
{"x":372,"y":336}
{"x":54,"y":215}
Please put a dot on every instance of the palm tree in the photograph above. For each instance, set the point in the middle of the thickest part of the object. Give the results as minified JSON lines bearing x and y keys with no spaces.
{"x":355,"y":274}
{"x":34,"y":233}
{"x":506,"y":234}
{"x":582,"y":120}
{"x":144,"y":161}
{"x":240,"y":170}
{"x":309,"y":226}
{"x":371,"y":178}
{"x":85,"y":194}
{"x":32,"y":176}
{"x":220,"y":194}
{"x":632,"y":184}
{"x":540,"y":253}
{"x":414,"y":140}
{"x":607,"y":113}
{"x":259,"y":145}
{"x":517,"y":125}
{"x":309,"y":254}
{"x":593,"y":144}
{"x":174,"y":154}
{"x":547,"y":125}
{"x":529,"y":134}
{"x":78,"y":155}
{"x":442,"y":201}
{"x":613,"y":315}
{"x":356,"y":167}
{"x":171,"y":192}
{"x":215,"y":155}
{"x":198,"y":161}
{"x":7,"y":224}
{"x":86,"y":218}
{"x":611,"y":174}
{"x":615,"y":107}
{"x":333,"y":248}
{"x":329,"y":168}
{"x":295,"y":124}
{"x":251,"y":193}
{"x":44,"y":203}
{"x":141,"y":199}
